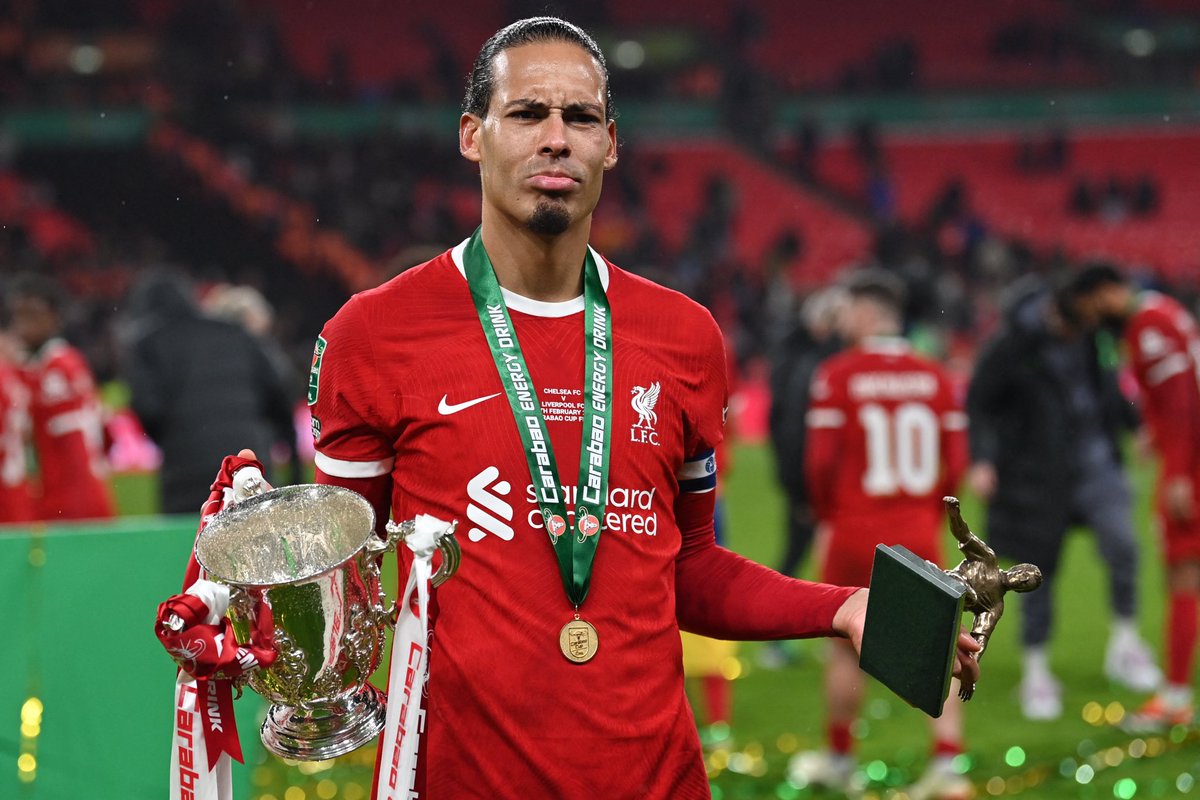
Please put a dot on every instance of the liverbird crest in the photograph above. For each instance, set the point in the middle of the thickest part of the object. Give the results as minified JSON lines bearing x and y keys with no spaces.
{"x":643,"y":402}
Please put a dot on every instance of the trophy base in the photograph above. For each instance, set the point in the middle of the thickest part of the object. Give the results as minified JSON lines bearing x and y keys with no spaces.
{"x":325,"y":731}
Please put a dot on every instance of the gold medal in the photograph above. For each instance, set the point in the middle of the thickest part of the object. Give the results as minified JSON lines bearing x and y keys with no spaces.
{"x":578,"y":641}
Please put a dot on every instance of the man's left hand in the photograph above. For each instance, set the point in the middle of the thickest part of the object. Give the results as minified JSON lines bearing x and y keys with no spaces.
{"x":851,"y":618}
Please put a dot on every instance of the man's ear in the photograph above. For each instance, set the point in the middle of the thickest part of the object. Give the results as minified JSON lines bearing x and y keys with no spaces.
{"x":469,"y":127}
{"x":610,"y":158}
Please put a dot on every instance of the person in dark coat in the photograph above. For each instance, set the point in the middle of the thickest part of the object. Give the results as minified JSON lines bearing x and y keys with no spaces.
{"x":201,"y":387}
{"x":793,"y":362}
{"x":793,"y":365}
{"x":1046,"y":419}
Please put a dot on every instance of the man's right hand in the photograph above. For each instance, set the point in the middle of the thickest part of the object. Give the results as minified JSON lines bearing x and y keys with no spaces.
{"x":981,"y":477}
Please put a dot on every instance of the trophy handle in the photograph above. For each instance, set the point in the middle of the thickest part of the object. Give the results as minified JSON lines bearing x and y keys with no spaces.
{"x":241,"y":601}
{"x":451,"y":556}
{"x":397,"y":532}
{"x":447,"y":544}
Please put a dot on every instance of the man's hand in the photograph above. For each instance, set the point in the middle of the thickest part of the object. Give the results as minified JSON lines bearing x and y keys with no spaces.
{"x":981,"y":477}
{"x":1178,"y":499}
{"x":852,"y":617}
{"x":1143,"y":443}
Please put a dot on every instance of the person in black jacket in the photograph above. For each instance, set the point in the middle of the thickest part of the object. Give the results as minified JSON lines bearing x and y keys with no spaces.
{"x":1046,"y":418}
{"x":201,"y":387}
{"x":793,"y":365}
{"x":793,"y":362}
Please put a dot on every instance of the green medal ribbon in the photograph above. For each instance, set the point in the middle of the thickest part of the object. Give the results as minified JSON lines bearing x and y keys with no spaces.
{"x":574,"y":545}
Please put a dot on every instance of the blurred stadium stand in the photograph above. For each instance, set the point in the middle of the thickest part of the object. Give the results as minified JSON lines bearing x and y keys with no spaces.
{"x":306,"y":147}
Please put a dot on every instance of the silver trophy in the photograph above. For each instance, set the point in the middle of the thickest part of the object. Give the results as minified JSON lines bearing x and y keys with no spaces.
{"x":308,"y":555}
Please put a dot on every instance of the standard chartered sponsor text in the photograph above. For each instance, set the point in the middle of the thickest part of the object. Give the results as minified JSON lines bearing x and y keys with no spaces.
{"x":628,"y":510}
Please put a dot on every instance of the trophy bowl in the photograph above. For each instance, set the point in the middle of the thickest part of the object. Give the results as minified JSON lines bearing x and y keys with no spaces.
{"x":308,"y":556}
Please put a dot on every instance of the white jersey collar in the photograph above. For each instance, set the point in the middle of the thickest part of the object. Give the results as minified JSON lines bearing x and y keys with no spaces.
{"x":49,"y":349}
{"x":537,"y":308}
{"x":887,"y":345}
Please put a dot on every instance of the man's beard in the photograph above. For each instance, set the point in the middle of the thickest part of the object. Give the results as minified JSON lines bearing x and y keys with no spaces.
{"x":550,"y":218}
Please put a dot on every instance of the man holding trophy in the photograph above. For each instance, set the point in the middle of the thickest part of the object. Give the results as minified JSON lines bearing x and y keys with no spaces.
{"x":468,"y":387}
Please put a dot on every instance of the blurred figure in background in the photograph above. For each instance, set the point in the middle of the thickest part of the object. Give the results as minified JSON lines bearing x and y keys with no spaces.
{"x":65,"y":412}
{"x":202,"y":387}
{"x":802,"y":350}
{"x":16,"y":503}
{"x":1163,"y":344}
{"x":245,"y":306}
{"x":1046,"y":421}
{"x":886,"y":442}
{"x":793,"y":363}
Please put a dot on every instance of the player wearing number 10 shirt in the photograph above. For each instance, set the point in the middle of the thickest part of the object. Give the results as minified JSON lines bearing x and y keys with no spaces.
{"x":886,"y":441}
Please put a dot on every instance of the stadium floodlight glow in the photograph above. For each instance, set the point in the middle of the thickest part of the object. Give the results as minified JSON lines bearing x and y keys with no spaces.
{"x":629,"y":54}
{"x":86,"y":59}
{"x":1139,"y":42}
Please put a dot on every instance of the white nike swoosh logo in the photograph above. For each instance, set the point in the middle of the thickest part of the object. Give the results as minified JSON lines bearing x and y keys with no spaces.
{"x":446,"y":409}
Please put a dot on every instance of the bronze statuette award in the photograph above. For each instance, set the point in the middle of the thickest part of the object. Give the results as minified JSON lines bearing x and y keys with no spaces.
{"x":914,"y":610}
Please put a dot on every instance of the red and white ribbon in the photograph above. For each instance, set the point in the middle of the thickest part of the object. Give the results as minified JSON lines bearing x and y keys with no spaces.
{"x":201,"y":768}
{"x":193,"y":629}
{"x":397,"y":767}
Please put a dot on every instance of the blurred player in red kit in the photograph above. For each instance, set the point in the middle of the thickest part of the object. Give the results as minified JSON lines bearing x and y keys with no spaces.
{"x":16,"y":505}
{"x":68,"y":433}
{"x":886,"y":442}
{"x":1163,"y":344}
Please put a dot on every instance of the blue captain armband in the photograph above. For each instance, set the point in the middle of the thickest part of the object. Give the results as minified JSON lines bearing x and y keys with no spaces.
{"x":699,"y":473}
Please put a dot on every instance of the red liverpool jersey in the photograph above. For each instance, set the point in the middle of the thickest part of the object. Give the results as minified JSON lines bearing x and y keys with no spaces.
{"x":68,"y":435}
{"x":887,"y":440}
{"x":15,"y":502}
{"x":404,"y":384}
{"x":1164,"y":345}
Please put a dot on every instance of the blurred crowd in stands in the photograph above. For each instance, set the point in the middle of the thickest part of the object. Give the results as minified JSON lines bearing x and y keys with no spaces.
{"x":227,"y":188}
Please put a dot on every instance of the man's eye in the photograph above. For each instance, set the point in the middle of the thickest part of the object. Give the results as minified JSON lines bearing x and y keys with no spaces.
{"x":523,"y":114}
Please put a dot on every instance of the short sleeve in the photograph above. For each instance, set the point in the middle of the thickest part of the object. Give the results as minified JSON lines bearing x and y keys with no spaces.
{"x":350,"y":433}
{"x":827,"y":403}
{"x":1157,"y":356}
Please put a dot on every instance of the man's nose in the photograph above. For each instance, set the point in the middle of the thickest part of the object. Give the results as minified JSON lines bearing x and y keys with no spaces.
{"x":554,"y":136}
